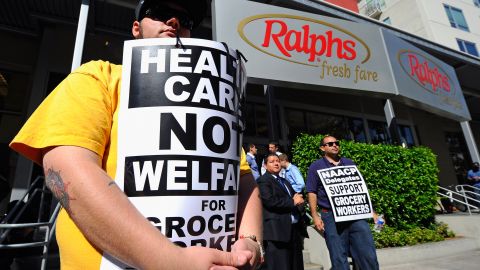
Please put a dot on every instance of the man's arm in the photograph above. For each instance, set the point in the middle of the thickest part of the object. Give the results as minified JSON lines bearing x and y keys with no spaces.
{"x":469,"y":176}
{"x":249,"y":217}
{"x":312,"y":187}
{"x":317,"y":221}
{"x":109,"y":221}
{"x":253,"y":166}
{"x":299,"y":182}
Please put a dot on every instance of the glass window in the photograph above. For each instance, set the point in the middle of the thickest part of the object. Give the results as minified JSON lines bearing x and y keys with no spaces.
{"x":321,"y":123}
{"x":380,"y":3}
{"x":407,"y":135}
{"x":467,"y":47}
{"x":379,"y":132}
{"x":256,"y":119}
{"x":14,"y":88}
{"x":295,"y":123}
{"x":387,"y":21}
{"x":471,"y":48}
{"x":250,"y":128}
{"x":457,"y":148}
{"x":357,"y":130}
{"x":456,"y":18}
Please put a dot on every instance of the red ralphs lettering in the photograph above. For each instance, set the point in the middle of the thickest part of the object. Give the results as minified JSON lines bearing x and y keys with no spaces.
{"x":324,"y":44}
{"x":302,"y":40}
{"x":427,"y":75}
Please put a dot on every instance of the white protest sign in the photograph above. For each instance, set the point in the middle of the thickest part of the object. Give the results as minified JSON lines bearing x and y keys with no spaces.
{"x":179,"y":139}
{"x":347,"y":192}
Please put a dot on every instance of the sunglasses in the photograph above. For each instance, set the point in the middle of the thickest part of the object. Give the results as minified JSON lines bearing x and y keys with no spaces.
{"x":164,"y":13}
{"x":330,"y":144}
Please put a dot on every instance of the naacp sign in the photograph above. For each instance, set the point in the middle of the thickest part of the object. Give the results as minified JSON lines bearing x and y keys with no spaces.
{"x":347,"y":193}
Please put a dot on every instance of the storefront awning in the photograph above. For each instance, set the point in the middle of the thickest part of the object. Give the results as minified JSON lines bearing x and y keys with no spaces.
{"x":310,"y":51}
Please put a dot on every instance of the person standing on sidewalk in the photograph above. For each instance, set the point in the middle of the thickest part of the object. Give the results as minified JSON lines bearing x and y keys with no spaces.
{"x":343,"y":238}
{"x":273,"y":148}
{"x":473,"y":178}
{"x":252,"y":152}
{"x":292,"y":174}
{"x":283,"y":227}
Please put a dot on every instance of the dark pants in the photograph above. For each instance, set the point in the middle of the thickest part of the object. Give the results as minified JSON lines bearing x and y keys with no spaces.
{"x":284,"y":255}
{"x":349,"y":237}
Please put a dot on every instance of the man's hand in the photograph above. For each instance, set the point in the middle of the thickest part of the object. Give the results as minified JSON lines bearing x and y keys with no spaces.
{"x":248,"y":244}
{"x":375,"y":217}
{"x":318,"y":223}
{"x":208,"y":258}
{"x":298,"y":199}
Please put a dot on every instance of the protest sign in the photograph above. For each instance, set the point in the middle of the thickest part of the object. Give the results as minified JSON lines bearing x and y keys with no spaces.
{"x":347,"y":192}
{"x":179,"y":138}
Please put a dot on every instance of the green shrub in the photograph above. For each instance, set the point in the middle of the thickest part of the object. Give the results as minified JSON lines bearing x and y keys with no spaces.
{"x":391,"y":237}
{"x":402,"y":182}
{"x":442,"y":229}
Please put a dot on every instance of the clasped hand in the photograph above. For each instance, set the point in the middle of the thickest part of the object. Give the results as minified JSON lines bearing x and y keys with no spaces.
{"x":245,"y":255}
{"x":298,"y":199}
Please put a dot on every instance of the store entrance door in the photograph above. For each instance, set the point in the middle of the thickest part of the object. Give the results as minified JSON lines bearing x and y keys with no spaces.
{"x":459,"y":154}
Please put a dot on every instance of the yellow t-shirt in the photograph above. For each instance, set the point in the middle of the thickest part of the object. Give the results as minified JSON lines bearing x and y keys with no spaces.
{"x":81,"y":111}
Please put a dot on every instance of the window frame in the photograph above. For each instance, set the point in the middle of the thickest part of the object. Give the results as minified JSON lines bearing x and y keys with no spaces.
{"x":451,"y":18}
{"x":345,"y":130}
{"x":376,"y":127}
{"x":462,"y":46}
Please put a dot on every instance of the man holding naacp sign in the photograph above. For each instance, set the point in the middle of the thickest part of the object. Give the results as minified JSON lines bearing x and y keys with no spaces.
{"x":133,"y":177}
{"x":337,"y":188}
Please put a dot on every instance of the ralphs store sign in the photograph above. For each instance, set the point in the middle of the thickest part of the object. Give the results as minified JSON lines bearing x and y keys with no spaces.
{"x":296,"y":38}
{"x":424,"y":81}
{"x":424,"y":71}
{"x":289,"y":46}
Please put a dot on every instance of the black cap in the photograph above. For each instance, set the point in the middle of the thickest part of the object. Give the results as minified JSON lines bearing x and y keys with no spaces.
{"x":197,"y":9}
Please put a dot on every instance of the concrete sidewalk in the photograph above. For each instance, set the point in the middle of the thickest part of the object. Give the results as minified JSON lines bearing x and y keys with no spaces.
{"x":424,"y":253}
{"x":466,"y":261}
{"x":462,"y":252}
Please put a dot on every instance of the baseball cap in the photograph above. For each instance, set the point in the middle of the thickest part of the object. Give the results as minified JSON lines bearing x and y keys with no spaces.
{"x":197,"y":9}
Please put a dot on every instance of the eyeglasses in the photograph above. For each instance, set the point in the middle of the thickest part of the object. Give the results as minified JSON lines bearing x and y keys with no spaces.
{"x":164,"y":13}
{"x":330,"y":144}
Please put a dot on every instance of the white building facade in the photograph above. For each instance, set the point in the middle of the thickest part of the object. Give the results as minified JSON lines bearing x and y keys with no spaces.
{"x":452,"y":23}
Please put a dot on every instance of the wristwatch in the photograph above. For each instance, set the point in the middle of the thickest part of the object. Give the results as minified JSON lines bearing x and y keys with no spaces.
{"x":260,"y":245}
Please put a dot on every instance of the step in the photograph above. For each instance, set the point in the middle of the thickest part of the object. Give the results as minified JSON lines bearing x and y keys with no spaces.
{"x":311,"y":266}
{"x":306,"y":256}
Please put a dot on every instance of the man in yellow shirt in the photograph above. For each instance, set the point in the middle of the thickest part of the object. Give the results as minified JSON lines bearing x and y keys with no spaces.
{"x":73,"y":135}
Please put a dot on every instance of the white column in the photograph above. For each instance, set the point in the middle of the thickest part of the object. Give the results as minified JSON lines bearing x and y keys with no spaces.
{"x":80,"y":38}
{"x":472,"y":146}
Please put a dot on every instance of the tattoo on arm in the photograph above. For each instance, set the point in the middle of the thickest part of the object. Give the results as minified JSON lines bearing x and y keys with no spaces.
{"x":58,"y":187}
{"x":112,"y":183}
